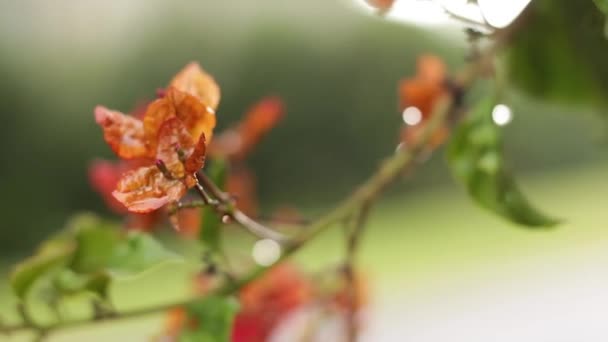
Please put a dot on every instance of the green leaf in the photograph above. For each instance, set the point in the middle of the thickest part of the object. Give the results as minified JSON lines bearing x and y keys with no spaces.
{"x":96,"y":243}
{"x":603,"y":6}
{"x":475,"y":157}
{"x":50,"y":256}
{"x":210,"y":232}
{"x":137,"y":253}
{"x":68,"y":282}
{"x":559,"y":53}
{"x":88,"y":256}
{"x":214,"y":316}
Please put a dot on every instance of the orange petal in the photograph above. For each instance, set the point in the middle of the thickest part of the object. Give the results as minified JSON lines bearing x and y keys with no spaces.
{"x":419,"y":94}
{"x":172,"y":136}
{"x":259,"y":120}
{"x":157,"y":113}
{"x":146,"y":189}
{"x":431,"y":69}
{"x":196,"y":160}
{"x":197,"y":117}
{"x":193,"y":80}
{"x":124,"y":134}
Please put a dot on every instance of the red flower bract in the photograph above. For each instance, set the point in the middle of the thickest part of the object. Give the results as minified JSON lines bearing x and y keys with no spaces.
{"x":172,"y":137}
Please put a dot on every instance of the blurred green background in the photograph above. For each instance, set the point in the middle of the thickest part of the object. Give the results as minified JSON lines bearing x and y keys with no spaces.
{"x":336,"y":68}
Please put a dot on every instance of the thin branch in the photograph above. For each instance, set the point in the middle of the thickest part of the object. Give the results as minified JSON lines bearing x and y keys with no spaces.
{"x":224,"y":206}
{"x":352,"y":248}
{"x":260,"y":218}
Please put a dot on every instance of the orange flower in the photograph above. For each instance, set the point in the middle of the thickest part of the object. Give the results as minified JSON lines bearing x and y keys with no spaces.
{"x":172,"y":136}
{"x":422,"y":92}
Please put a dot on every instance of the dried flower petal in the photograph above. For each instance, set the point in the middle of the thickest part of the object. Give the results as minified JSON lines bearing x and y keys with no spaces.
{"x":196,"y":160}
{"x":124,"y":134}
{"x":147,"y":189}
{"x":197,"y":117}
{"x":193,"y":80}
{"x":157,"y":113}
{"x":173,"y":137}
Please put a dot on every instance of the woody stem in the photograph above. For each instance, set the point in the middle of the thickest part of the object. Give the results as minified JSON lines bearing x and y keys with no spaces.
{"x":224,"y":206}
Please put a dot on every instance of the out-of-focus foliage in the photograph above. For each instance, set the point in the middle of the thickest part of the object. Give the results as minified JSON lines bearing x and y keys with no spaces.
{"x":559,"y":53}
{"x":86,"y":256}
{"x":213,"y":317}
{"x":476,"y":158}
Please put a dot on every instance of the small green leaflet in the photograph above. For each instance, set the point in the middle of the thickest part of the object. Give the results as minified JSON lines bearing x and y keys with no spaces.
{"x":214,"y":317}
{"x":475,"y":157}
{"x":87,"y":256}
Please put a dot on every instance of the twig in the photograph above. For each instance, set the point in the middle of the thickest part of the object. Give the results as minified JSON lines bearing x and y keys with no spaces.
{"x":224,"y":206}
{"x":261,"y":218}
{"x":352,"y":248}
